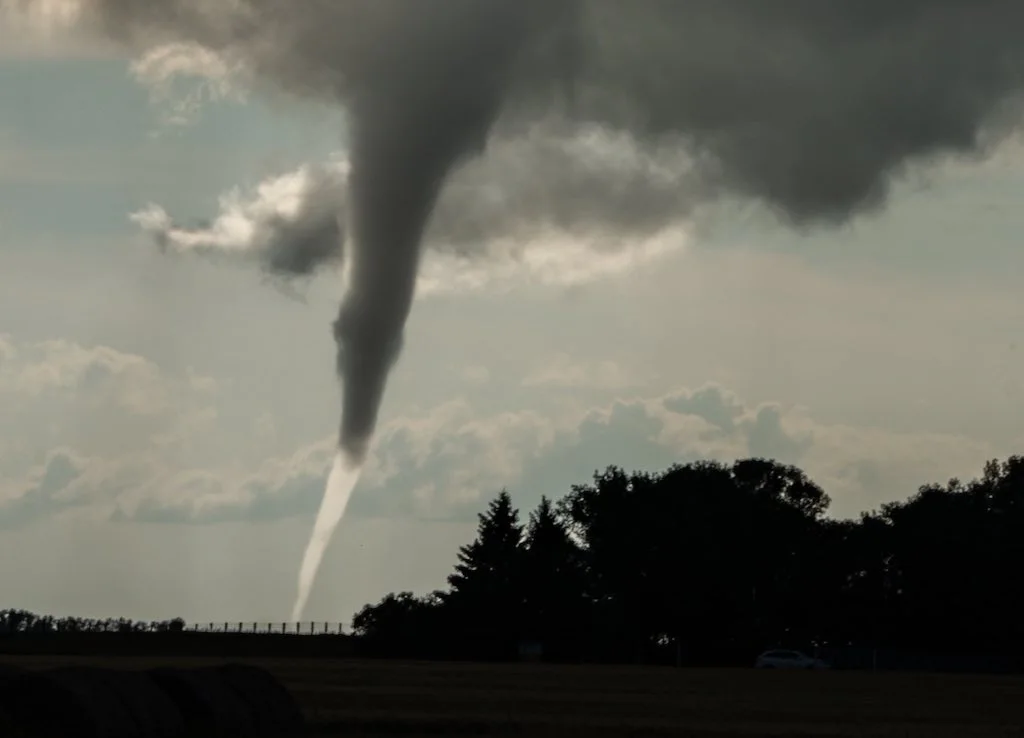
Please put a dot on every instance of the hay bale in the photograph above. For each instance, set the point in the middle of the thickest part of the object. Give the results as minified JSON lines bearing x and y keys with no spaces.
{"x":91,"y":702}
{"x":152,"y":712}
{"x":274,"y":708}
{"x":233,"y":699}
{"x":209,"y":706}
{"x":52,"y":704}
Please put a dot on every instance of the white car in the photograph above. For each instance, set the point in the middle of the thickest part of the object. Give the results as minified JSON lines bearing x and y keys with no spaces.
{"x":780,"y":659}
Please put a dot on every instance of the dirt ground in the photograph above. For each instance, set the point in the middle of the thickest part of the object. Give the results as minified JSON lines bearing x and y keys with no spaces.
{"x":359,"y":699}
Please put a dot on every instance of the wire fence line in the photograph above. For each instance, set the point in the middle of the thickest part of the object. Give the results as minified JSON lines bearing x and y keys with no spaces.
{"x":305,"y":628}
{"x":22,"y":622}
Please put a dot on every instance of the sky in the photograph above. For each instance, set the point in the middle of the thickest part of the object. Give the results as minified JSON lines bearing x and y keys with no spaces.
{"x":167,"y":423}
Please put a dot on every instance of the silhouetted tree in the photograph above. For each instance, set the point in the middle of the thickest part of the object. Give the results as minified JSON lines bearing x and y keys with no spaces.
{"x":401,"y":625}
{"x":486,"y":596}
{"x":13,"y":622}
{"x":555,"y":606}
{"x":612,"y":522}
{"x":717,"y":561}
{"x":707,"y":563}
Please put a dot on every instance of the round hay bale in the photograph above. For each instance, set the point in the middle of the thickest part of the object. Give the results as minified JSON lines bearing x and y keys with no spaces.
{"x":152,"y":712}
{"x":273,"y":707}
{"x":56,"y":704}
{"x":88,"y":701}
{"x":209,"y":706}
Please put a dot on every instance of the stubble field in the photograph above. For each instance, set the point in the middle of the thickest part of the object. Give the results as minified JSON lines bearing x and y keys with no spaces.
{"x":359,"y":699}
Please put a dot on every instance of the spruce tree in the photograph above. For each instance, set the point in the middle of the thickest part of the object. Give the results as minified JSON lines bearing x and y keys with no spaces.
{"x":486,"y":586}
{"x":553,"y":579}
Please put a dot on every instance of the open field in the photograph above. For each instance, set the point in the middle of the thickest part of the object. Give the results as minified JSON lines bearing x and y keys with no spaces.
{"x":359,"y":699}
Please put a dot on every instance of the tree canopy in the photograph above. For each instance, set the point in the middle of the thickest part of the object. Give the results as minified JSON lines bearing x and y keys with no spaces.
{"x":708,"y":558}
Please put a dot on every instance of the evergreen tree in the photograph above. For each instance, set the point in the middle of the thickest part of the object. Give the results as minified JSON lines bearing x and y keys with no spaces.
{"x":710,"y":563}
{"x":486,"y":586}
{"x":553,"y":581}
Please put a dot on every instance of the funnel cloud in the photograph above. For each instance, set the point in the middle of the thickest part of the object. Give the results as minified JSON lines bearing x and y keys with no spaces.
{"x":810,"y":108}
{"x":425,"y":111}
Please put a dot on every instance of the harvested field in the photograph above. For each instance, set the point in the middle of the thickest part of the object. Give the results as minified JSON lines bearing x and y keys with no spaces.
{"x":359,"y":699}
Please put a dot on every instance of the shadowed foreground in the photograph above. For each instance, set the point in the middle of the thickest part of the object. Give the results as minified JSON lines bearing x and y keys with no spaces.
{"x":98,"y":701}
{"x":362,"y":699}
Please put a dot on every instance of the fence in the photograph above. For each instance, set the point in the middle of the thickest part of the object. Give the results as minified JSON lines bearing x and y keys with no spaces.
{"x":285,"y":628}
{"x":209,"y":639}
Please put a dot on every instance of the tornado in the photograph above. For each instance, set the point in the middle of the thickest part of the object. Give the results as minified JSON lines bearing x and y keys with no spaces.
{"x":424,"y":109}
{"x":409,"y":130}
{"x":418,"y":121}
{"x":810,"y":109}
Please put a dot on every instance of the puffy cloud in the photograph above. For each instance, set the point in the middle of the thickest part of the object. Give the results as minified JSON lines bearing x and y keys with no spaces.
{"x":446,"y":463}
{"x":102,"y":402}
{"x":565,"y":373}
{"x":290,"y":223}
{"x":103,"y":374}
{"x":766,"y":436}
{"x":719,"y":407}
{"x":279,"y":488}
{"x":48,"y":490}
{"x":537,"y":208}
{"x":181,"y":77}
{"x":104,"y":431}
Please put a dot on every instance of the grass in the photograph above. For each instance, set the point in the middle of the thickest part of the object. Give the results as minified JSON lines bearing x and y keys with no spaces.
{"x":360,"y":699}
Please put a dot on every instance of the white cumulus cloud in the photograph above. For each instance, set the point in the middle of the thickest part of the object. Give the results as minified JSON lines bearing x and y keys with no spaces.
{"x":183,"y":76}
{"x":445,"y":463}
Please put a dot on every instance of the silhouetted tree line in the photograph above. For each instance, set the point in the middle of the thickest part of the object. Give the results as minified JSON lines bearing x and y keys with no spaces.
{"x":710,"y":563}
{"x":22,"y":622}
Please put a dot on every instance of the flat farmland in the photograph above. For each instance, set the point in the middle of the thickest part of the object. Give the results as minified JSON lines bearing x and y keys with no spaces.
{"x":359,"y":699}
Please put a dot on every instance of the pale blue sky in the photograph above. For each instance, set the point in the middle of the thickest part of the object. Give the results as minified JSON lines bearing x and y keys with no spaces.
{"x":166,"y":421}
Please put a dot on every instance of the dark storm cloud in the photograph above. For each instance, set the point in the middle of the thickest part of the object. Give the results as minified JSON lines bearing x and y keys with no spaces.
{"x":810,"y":107}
